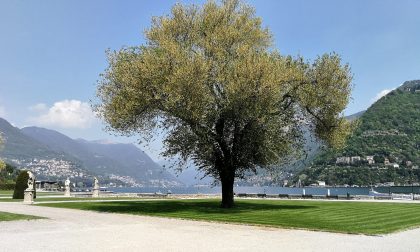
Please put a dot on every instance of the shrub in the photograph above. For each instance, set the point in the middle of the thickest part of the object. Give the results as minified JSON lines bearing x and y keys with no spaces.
{"x":21,"y":185}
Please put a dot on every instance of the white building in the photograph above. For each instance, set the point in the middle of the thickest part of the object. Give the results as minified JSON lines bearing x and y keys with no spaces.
{"x":321,"y":183}
{"x":370,"y":159}
{"x":343,"y":160}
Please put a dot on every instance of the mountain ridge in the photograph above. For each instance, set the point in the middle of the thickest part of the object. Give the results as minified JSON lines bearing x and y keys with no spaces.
{"x":54,"y":155}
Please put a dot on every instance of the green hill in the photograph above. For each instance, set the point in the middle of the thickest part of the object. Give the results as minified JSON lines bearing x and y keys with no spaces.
{"x":385,"y":147}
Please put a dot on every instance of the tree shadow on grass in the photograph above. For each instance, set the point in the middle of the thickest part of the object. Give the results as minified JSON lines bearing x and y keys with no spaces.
{"x":196,"y":207}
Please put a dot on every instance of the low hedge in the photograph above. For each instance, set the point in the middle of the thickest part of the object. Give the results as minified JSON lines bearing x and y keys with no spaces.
{"x":7,"y":187}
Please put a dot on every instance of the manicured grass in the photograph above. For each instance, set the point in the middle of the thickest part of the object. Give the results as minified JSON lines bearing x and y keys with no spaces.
{"x":52,"y":199}
{"x":6,"y":192}
{"x":348,"y":217}
{"x":46,"y":199}
{"x":50,"y":193}
{"x":4,"y":216}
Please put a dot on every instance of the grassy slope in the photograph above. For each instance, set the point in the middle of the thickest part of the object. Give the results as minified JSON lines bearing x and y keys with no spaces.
{"x":11,"y":217}
{"x":347,"y":217}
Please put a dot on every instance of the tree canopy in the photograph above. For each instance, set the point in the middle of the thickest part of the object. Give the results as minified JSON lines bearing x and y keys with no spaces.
{"x":210,"y":77}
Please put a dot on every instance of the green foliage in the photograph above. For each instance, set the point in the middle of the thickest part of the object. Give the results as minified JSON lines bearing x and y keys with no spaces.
{"x":227,"y":100}
{"x":347,"y":217}
{"x":390,"y":129}
{"x":8,"y":174}
{"x":21,"y":185}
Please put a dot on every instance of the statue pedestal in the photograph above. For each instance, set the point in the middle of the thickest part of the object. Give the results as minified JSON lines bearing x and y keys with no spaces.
{"x":95,"y":193}
{"x":67,"y":193}
{"x":28,"y":197}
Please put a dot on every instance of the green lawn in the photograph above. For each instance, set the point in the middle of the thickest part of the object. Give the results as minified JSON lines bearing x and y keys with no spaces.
{"x":52,"y":199}
{"x":334,"y":216}
{"x":6,"y":193}
{"x":11,"y":217}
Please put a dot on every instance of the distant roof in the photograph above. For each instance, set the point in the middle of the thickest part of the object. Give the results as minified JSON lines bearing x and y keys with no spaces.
{"x":45,"y":182}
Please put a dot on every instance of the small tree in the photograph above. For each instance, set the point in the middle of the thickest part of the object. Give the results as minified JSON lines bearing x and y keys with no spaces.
{"x":228,"y":101}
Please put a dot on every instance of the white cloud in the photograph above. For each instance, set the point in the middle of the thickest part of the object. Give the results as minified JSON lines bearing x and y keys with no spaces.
{"x":64,"y":114}
{"x":381,"y":94}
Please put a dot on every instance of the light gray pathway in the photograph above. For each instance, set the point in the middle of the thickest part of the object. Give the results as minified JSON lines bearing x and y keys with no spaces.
{"x":76,"y":230}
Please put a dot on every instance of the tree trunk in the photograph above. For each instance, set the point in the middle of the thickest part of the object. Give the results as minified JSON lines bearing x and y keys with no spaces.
{"x":227,"y":180}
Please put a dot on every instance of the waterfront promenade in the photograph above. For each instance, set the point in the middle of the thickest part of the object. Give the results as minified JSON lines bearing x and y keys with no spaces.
{"x":76,"y":230}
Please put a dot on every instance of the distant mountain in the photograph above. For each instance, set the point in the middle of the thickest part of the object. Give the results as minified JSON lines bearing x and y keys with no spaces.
{"x":355,"y":115}
{"x":131,"y":161}
{"x":410,"y":86}
{"x":53,"y":155}
{"x":190,"y":176}
{"x":64,"y":144}
{"x":25,"y":152}
{"x":20,"y":146}
{"x":384,"y":148}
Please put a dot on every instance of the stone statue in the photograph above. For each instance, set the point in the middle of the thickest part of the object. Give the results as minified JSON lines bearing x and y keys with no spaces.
{"x":31,"y":180}
{"x":96,"y":183}
{"x":67,"y":188}
{"x":30,"y":191}
{"x":67,"y":183}
{"x":95,"y":191}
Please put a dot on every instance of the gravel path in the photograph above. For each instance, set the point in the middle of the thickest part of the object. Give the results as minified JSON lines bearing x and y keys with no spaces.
{"x":76,"y":230}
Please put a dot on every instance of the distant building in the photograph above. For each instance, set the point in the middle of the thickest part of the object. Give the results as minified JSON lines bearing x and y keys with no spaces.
{"x":386,"y":161}
{"x":321,"y":183}
{"x":396,"y":165}
{"x":370,"y":159}
{"x":389,"y":184}
{"x":47,"y":185}
{"x":408,"y":163}
{"x":343,"y":160}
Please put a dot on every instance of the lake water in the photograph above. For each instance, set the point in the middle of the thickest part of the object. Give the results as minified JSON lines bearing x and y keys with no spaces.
{"x":270,"y":190}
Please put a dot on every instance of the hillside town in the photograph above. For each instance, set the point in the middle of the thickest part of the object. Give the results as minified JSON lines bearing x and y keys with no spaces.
{"x":52,"y":168}
{"x":370,"y":160}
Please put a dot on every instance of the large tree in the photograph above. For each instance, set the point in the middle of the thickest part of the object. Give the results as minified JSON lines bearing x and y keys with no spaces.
{"x":209,"y":77}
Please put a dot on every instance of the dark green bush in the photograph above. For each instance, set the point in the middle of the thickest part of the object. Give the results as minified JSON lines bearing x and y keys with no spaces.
{"x":21,"y":185}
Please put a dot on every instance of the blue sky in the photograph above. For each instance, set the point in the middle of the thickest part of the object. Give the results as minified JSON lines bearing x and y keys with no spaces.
{"x":52,"y":52}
